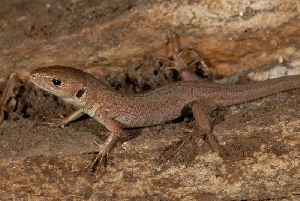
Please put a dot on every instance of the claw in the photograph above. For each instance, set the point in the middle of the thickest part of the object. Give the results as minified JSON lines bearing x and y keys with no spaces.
{"x":200,"y":54}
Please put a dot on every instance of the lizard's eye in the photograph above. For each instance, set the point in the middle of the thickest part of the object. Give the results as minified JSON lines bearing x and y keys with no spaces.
{"x":56,"y":82}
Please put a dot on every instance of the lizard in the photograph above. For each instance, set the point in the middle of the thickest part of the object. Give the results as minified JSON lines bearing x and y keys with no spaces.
{"x":117,"y":110}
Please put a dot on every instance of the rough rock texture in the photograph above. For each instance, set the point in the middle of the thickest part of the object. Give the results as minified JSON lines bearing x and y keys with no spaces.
{"x":234,"y":35}
{"x":258,"y":157}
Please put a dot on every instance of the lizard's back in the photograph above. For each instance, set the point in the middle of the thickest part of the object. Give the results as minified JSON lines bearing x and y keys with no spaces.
{"x":168,"y":102}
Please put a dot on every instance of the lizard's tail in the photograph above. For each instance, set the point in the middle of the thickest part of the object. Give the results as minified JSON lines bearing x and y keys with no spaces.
{"x":255,"y":90}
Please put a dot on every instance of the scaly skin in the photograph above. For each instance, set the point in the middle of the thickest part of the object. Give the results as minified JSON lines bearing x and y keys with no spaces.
{"x":117,"y":110}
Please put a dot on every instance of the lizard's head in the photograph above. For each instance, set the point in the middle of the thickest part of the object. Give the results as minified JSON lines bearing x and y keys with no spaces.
{"x":64,"y":82}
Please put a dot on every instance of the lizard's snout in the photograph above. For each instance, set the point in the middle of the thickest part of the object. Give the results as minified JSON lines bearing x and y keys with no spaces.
{"x":34,"y":77}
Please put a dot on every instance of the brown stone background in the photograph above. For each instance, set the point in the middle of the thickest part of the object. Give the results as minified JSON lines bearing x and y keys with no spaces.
{"x":259,"y":159}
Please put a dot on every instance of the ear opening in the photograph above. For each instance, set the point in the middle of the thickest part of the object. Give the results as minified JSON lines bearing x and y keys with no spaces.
{"x":80,"y":92}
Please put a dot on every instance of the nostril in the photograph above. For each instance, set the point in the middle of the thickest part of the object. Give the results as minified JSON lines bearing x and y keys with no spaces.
{"x":34,"y":77}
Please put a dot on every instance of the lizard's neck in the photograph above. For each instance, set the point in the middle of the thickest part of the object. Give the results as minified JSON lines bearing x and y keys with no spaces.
{"x":96,"y":95}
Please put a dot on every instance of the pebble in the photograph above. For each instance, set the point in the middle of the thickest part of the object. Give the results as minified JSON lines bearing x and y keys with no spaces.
{"x":295,"y":63}
{"x":293,"y":71}
{"x":260,"y":76}
{"x":277,"y":71}
{"x":280,"y":60}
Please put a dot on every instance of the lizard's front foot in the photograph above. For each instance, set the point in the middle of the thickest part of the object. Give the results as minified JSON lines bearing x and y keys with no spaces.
{"x":104,"y":149}
{"x":62,"y":122}
{"x":101,"y":157}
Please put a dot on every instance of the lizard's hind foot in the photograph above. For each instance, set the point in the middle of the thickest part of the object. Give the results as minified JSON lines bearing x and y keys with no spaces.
{"x":179,"y":64}
{"x":182,"y":151}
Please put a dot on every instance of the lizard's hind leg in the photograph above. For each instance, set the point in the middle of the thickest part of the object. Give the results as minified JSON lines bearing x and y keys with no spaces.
{"x":184,"y":68}
{"x":201,"y":110}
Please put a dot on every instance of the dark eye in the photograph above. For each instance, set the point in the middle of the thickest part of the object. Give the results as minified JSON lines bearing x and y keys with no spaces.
{"x":56,"y":82}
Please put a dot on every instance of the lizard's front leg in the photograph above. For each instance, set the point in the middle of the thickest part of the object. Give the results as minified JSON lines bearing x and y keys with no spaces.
{"x":117,"y":133}
{"x":66,"y":120}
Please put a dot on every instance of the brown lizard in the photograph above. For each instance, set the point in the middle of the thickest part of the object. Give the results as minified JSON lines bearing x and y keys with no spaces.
{"x":117,"y":110}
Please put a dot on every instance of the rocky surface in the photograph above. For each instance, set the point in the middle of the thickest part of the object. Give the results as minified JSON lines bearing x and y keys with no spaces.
{"x":104,"y":36}
{"x":258,"y":157}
